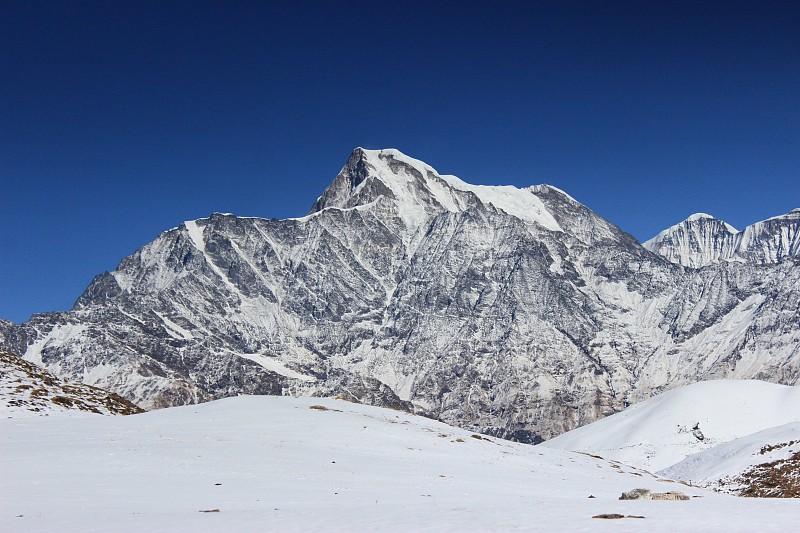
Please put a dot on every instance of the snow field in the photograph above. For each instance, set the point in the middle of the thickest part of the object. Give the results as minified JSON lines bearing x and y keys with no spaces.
{"x":657,"y":433}
{"x":303,"y":464}
{"x":729,"y":459}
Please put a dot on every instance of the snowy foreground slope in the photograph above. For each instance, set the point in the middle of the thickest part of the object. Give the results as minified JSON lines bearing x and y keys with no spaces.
{"x":765,"y":464}
{"x":306,"y":464}
{"x":657,"y":433}
{"x":736,"y":419}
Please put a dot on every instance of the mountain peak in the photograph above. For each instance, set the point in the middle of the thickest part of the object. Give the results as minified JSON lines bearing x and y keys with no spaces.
{"x":702,"y":239}
{"x":416,"y":191}
{"x":412,"y":289}
{"x":405,"y":188}
{"x":703,"y":217}
{"x":699,"y":240}
{"x":794,"y":214}
{"x":546,"y":188}
{"x":698,"y":216}
{"x":694,"y":220}
{"x":385,"y":156}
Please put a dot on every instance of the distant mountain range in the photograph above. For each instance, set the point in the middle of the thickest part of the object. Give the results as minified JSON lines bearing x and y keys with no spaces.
{"x":703,"y":240}
{"x":514,"y":312}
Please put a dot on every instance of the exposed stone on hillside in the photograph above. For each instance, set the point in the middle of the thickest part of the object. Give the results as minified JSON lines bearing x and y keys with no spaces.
{"x":26,"y":388}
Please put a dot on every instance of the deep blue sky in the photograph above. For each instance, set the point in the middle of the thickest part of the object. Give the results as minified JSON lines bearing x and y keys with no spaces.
{"x":119,"y":120}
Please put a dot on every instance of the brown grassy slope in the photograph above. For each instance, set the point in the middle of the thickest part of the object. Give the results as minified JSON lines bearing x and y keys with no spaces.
{"x":25,"y":386}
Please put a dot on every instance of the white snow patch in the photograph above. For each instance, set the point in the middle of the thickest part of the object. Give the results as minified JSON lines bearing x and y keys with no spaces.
{"x":543,"y":187}
{"x":794,"y":213}
{"x":373,"y":156}
{"x":196,"y":234}
{"x":98,"y":374}
{"x":521,"y":203}
{"x":403,"y":388}
{"x":274,"y":365}
{"x":61,"y":335}
{"x":698,"y":216}
{"x":361,"y":207}
{"x":173,"y":329}
{"x":123,"y":280}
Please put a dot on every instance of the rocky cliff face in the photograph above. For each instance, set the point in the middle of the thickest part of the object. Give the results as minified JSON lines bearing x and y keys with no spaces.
{"x":517,"y":312}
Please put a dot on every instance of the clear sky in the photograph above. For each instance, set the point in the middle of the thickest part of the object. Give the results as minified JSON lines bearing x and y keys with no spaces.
{"x":119,"y":120}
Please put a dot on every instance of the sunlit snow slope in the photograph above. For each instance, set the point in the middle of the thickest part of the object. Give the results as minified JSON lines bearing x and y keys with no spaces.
{"x":304,"y":464}
{"x":658,"y":432}
{"x":766,"y":463}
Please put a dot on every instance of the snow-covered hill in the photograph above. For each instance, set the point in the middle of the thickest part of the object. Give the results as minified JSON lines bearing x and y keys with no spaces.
{"x":664,"y":430}
{"x":288,"y":464}
{"x":703,"y":240}
{"x":29,"y":390}
{"x":764,"y":464}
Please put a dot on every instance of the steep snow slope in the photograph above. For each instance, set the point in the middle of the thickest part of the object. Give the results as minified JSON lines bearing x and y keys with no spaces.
{"x":29,"y":390}
{"x":772,"y":240}
{"x":658,"y":432}
{"x":766,"y":463}
{"x":284,"y":464}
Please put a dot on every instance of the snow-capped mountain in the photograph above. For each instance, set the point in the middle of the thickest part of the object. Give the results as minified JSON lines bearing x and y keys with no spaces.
{"x":772,"y":240}
{"x":702,"y":240}
{"x":697,"y":241}
{"x":515,"y":312}
{"x":308,"y":464}
{"x":28,"y":390}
